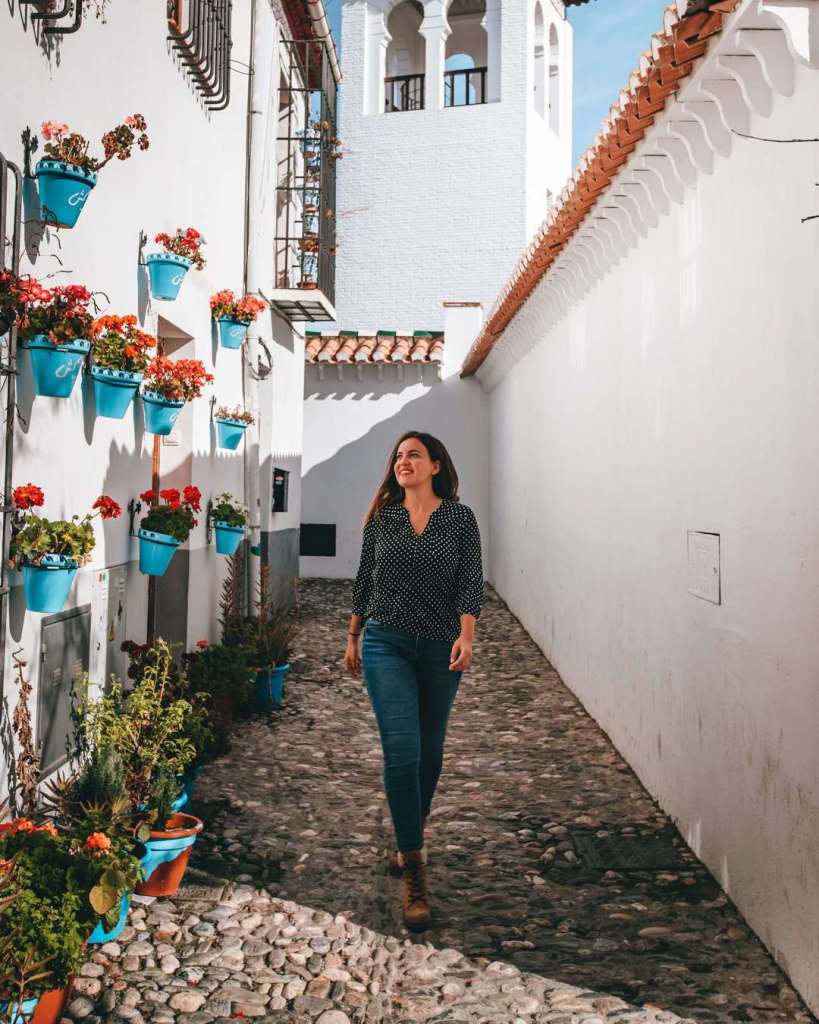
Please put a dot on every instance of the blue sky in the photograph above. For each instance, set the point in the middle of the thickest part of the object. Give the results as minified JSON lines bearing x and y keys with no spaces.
{"x":609,"y":36}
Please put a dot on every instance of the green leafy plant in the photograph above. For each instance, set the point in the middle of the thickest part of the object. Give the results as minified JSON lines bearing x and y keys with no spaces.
{"x":267,"y":635}
{"x":175,"y":516}
{"x":226,"y":509}
{"x":36,"y":536}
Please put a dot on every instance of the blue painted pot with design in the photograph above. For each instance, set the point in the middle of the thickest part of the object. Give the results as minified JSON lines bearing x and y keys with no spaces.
{"x":270,"y":686}
{"x":166,"y":272}
{"x":47,"y":584}
{"x":228,"y":538}
{"x":63,"y":190}
{"x":155,"y":551}
{"x":55,"y":368}
{"x":232,"y":332}
{"x":114,"y":391}
{"x":229,"y":433}
{"x":160,"y":413}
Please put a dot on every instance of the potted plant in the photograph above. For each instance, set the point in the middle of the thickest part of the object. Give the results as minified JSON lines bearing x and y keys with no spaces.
{"x":166,"y":269}
{"x":267,"y":637}
{"x":67,"y":175}
{"x":221,"y":673}
{"x":233,"y":316}
{"x":167,"y":385}
{"x":166,"y":526}
{"x":54,"y":327}
{"x":120,"y":355}
{"x":231,"y":425}
{"x":229,"y":519}
{"x":49,"y":551}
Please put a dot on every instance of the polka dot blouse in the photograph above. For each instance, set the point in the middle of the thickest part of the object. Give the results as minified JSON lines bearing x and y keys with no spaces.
{"x":423,"y":582}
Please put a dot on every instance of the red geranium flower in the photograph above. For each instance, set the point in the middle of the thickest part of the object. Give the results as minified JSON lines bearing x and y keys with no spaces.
{"x":28,"y":496}
{"x":170,"y":494}
{"x":202,"y":644}
{"x":147,"y":496}
{"x":192,"y":496}
{"x":109,"y":509}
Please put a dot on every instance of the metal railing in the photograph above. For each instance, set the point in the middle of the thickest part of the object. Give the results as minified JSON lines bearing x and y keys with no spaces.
{"x":465,"y":87}
{"x":199,"y":33}
{"x":404,"y":92}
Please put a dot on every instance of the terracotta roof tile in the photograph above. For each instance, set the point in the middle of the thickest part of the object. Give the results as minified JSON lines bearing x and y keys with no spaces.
{"x":661,"y":70}
{"x":389,"y":347}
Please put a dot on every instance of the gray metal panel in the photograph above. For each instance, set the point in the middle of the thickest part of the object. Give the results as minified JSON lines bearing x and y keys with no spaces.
{"x":281,"y":549}
{"x":64,"y":653}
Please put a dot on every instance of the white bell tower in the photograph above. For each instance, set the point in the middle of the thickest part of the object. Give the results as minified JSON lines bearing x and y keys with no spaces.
{"x":456,"y":131}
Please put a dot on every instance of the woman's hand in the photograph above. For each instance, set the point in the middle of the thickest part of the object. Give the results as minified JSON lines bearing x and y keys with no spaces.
{"x":352,"y":656}
{"x":461,"y":656}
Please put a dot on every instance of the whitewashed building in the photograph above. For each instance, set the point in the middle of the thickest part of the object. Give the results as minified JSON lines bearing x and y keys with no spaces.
{"x":634,"y":421}
{"x":226,"y":93}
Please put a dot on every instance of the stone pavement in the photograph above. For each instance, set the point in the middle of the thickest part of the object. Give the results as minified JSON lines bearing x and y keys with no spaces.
{"x":288,"y":913}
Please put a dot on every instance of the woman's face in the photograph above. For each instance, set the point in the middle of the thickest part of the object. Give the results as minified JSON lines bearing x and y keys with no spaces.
{"x":413,"y":465}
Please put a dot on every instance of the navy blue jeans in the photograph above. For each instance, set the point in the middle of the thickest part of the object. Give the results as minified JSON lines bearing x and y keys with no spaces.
{"x":412,"y":691}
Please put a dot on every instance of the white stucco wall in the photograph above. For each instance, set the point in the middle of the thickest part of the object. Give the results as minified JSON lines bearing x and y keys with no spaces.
{"x":679,"y":394}
{"x":438,"y":203}
{"x":192,"y":174}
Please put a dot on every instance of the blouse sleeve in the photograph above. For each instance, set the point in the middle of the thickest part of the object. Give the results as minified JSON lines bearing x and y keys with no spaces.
{"x":470,"y":569}
{"x":362,"y":588}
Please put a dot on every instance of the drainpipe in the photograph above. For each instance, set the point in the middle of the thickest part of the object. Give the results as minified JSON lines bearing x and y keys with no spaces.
{"x":318,"y":19}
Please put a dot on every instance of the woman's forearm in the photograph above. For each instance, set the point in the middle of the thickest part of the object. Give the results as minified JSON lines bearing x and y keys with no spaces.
{"x":355,"y":623}
{"x":468,"y":626}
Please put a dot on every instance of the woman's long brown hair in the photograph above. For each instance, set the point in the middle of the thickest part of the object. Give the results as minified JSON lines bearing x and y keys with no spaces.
{"x":444,"y":483}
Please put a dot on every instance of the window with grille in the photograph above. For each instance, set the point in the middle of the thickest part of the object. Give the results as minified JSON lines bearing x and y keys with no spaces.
{"x":199,"y":35}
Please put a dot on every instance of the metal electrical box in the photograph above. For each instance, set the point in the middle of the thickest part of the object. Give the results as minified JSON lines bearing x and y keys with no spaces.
{"x":64,"y":655}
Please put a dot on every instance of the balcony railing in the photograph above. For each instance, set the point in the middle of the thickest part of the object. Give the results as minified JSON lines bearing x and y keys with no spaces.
{"x":404,"y":92}
{"x":464,"y":88}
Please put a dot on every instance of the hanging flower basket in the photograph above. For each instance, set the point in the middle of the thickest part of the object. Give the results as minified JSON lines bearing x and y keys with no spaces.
{"x":166,"y":272}
{"x":114,"y":391}
{"x":47,"y":585}
{"x":270,"y":686}
{"x":99,"y":935}
{"x":160,"y":413}
{"x":232,"y":332}
{"x":63,"y":191}
{"x":155,"y":551}
{"x":166,"y":855}
{"x":229,"y":433}
{"x":55,"y":368}
{"x":228,"y":538}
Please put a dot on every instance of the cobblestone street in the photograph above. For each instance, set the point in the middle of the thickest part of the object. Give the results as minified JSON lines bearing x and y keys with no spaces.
{"x":288,"y":912}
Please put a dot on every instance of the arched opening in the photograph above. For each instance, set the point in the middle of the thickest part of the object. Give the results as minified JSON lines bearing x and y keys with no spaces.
{"x":465,"y":67}
{"x":554,"y":80}
{"x":406,"y":56}
{"x":540,"y":61}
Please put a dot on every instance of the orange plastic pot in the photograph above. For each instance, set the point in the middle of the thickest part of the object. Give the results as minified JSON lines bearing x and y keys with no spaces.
{"x":166,"y":855}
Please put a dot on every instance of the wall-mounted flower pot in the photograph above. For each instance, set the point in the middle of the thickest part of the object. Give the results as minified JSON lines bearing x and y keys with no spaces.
{"x":45,"y":1009}
{"x":46,"y":585}
{"x":55,"y":368}
{"x":229,"y":433}
{"x":63,"y":190}
{"x":228,"y":538}
{"x":270,"y":686}
{"x":166,"y":272}
{"x":160,"y":413}
{"x":155,"y":552}
{"x":114,"y":391}
{"x":100,"y":935}
{"x":232,"y":332}
{"x":166,"y":855}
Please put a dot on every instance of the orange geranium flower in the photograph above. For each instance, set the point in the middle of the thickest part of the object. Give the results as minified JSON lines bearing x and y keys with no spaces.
{"x":98,"y":842}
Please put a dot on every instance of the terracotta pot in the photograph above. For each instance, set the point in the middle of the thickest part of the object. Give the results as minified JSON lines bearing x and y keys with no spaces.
{"x":167,"y":854}
{"x":50,"y":1006}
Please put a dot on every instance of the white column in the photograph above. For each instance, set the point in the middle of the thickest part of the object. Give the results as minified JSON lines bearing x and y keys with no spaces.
{"x":491,"y":23}
{"x":435,"y":30}
{"x":378,"y":40}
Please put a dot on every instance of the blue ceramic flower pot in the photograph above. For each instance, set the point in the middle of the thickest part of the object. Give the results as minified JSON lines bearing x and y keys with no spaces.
{"x":166,"y":272}
{"x":155,"y":552}
{"x":46,"y":585}
{"x":160,"y":413}
{"x":55,"y":368}
{"x":229,"y":433}
{"x":228,"y":538}
{"x":188,"y":785}
{"x":63,"y":190}
{"x":100,"y":935}
{"x":114,"y":391}
{"x":232,"y":332}
{"x":270,"y":686}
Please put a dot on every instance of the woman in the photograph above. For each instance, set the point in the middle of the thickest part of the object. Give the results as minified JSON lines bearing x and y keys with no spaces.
{"x":419,"y":588}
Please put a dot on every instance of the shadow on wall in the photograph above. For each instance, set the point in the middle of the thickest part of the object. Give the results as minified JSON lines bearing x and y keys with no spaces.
{"x":48,"y":45}
{"x":338,"y":488}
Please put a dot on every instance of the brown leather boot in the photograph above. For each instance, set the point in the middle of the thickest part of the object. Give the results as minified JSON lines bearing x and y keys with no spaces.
{"x":417,"y":914}
{"x":395,"y":862}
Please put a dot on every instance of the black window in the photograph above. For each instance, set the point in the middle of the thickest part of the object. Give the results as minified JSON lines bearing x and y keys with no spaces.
{"x":318,"y":539}
{"x":281,"y":482}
